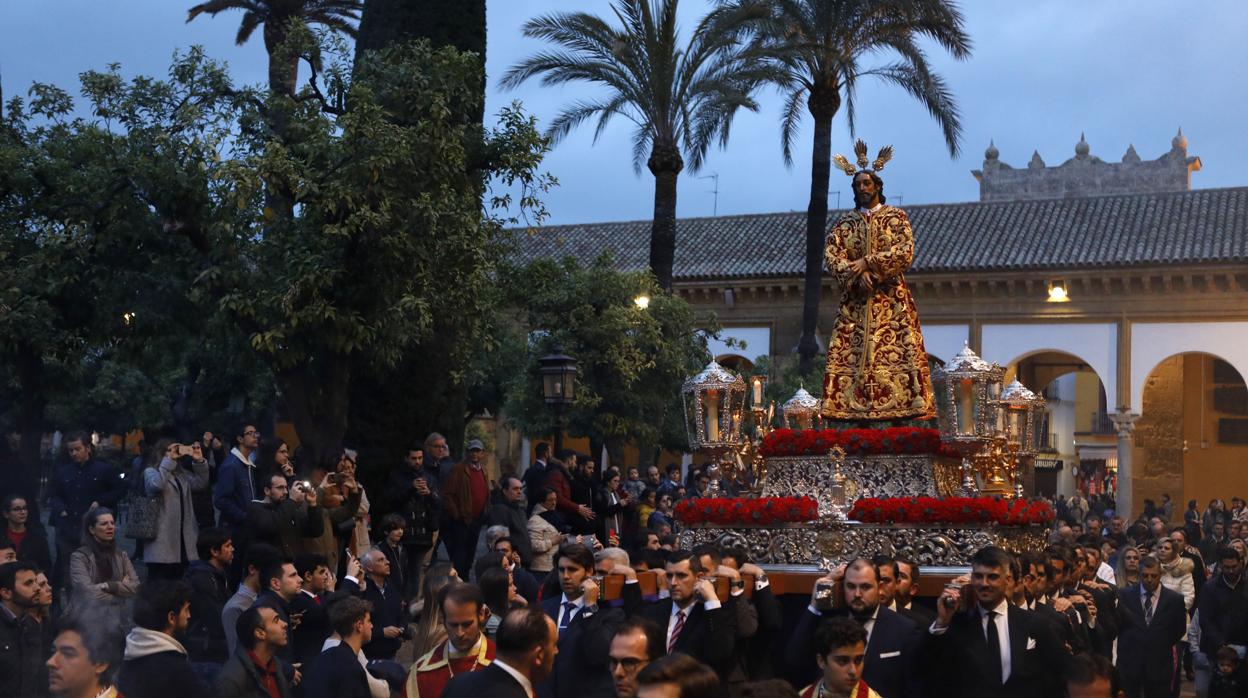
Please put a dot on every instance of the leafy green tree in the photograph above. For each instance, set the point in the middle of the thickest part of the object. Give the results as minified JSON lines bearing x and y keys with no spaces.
{"x":276,"y":17}
{"x":680,"y":97}
{"x":821,"y":50}
{"x":632,"y":362}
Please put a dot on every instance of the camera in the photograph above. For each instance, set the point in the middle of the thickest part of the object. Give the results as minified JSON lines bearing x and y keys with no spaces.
{"x":949,"y":602}
{"x":823,"y":596}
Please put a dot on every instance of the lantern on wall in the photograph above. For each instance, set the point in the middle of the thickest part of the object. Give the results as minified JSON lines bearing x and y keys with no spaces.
{"x":967,"y":393}
{"x":714,"y":401}
{"x":801,"y":410}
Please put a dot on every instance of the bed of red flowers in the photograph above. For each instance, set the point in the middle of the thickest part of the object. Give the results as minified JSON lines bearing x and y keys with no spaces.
{"x":856,"y":442}
{"x":743,"y":511}
{"x":952,"y":510}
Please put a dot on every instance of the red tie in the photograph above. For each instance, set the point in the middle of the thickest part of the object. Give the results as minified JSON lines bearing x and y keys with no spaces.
{"x":680,"y":625}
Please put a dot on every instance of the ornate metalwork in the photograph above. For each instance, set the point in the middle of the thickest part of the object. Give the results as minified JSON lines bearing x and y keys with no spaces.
{"x":827,"y":544}
{"x":801,"y":410}
{"x":967,"y":389}
{"x":864,"y":476}
{"x":714,"y":400}
{"x":1021,"y":410}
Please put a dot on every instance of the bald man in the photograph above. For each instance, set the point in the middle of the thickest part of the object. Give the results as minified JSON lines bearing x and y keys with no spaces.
{"x":390,"y":622}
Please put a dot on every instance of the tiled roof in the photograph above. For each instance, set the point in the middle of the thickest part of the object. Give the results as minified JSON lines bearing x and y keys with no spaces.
{"x":1201,"y":226}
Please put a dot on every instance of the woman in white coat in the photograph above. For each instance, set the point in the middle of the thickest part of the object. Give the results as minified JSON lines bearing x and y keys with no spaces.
{"x":177,"y":531}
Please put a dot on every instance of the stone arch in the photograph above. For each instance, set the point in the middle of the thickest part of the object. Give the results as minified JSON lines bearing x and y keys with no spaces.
{"x":1154,"y":342}
{"x":1095,"y":344}
{"x":1192,"y":435}
{"x":735,"y":362}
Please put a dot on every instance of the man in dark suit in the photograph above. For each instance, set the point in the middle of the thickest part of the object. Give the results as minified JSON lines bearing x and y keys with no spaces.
{"x":892,"y":641}
{"x":584,"y":628}
{"x":1152,"y":621}
{"x":311,"y":604}
{"x":988,"y":647}
{"x":527,"y":643}
{"x":337,"y":672}
{"x":694,"y":619}
{"x":904,"y":591}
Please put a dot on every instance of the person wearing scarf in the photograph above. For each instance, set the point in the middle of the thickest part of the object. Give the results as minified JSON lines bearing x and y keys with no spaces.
{"x":101,"y":575}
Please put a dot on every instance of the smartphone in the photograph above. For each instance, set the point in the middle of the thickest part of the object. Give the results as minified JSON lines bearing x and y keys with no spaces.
{"x":823,"y":595}
{"x":184,"y":450}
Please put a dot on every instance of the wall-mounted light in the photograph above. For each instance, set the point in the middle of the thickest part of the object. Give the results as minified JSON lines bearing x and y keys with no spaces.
{"x":1057,"y":292}
{"x":642,"y":301}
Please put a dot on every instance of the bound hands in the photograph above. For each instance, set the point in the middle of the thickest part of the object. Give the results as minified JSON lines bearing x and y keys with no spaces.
{"x":862,"y":276}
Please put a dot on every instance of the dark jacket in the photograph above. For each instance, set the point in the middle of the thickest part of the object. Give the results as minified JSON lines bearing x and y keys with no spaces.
{"x":337,"y":673}
{"x":491,"y":681}
{"x":584,"y":645}
{"x":72,"y":490}
{"x":236,"y":488}
{"x":1223,"y":615}
{"x":891,"y":657}
{"x":512,"y":516}
{"x":240,"y":678}
{"x":282,"y":524}
{"x":1145,"y":652}
{"x":21,"y":656}
{"x":313,"y":629}
{"x":205,"y":638}
{"x":421,"y":511}
{"x":34,"y":547}
{"x":151,"y":671}
{"x":708,"y":636}
{"x":388,"y":610}
{"x":960,"y":658}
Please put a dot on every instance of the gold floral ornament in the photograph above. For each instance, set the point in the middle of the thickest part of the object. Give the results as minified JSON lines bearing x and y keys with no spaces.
{"x":860,"y":150}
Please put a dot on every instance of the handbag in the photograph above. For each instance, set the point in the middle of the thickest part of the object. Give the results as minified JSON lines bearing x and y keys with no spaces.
{"x":143,"y":515}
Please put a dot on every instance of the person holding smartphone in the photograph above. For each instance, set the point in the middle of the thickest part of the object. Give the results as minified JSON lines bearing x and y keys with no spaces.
{"x":168,"y":477}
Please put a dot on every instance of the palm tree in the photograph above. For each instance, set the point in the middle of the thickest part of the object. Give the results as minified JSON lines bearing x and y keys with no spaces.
{"x":680,"y":98}
{"x":820,"y":46}
{"x":276,"y":15}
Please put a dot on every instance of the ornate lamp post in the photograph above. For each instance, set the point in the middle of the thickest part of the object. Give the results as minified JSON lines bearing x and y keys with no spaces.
{"x":967,"y":392}
{"x":558,"y":371}
{"x":1020,"y":417}
{"x":714,"y":401}
{"x":801,"y":410}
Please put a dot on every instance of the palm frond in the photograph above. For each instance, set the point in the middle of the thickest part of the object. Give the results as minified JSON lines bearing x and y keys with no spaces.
{"x":930,"y":89}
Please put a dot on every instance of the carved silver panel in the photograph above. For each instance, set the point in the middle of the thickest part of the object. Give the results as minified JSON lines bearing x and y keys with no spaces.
{"x":865,"y":476}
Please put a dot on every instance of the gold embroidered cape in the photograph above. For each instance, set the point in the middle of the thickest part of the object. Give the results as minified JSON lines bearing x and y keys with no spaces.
{"x":877,"y":364}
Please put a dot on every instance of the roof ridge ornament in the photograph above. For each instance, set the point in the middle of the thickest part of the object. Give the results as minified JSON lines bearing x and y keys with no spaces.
{"x":864,"y":165}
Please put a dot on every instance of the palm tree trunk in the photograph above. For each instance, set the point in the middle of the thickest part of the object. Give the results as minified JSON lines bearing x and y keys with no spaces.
{"x":665,"y":163}
{"x":282,"y":73}
{"x":823,"y":104}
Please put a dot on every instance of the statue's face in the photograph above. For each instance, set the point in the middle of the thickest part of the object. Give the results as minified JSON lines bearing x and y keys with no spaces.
{"x":866,"y":195}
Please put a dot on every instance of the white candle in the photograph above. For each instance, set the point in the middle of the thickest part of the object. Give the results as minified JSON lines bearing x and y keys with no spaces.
{"x":758,"y":392}
{"x":712,"y":416}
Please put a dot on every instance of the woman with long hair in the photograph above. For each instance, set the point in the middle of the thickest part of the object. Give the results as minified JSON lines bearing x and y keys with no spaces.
{"x":177,"y":529}
{"x":1176,"y":572}
{"x":1127,"y":572}
{"x":352,"y":532}
{"x":499,"y":592}
{"x":101,"y":576}
{"x":274,"y":458}
{"x":613,"y":504}
{"x":429,"y":629}
{"x":27,"y":535}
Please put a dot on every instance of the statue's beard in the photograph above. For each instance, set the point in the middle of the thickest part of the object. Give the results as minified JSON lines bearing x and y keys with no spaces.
{"x":864,"y":200}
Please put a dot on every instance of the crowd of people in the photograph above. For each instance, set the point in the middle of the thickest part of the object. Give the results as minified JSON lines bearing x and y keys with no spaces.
{"x":253,"y":574}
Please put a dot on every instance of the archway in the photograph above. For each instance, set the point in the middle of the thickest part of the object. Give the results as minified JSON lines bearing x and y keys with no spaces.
{"x":1077,"y":437}
{"x":1192,"y":437}
{"x":735,"y":362}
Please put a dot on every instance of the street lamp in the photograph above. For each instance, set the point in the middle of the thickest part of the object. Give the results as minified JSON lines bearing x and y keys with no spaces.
{"x":642,"y":301}
{"x":558,"y":371}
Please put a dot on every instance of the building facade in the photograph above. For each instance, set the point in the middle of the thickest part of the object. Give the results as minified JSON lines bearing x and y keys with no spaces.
{"x":1115,"y":288}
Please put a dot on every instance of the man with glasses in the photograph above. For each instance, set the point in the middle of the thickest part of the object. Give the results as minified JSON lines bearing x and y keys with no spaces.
{"x":636,"y":643}
{"x":236,"y":481}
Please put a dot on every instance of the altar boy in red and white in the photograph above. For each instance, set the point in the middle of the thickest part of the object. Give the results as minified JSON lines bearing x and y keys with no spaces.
{"x":466,"y":648}
{"x":840,"y":647}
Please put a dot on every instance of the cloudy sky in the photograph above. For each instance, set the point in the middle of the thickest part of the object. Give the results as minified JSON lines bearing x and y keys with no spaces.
{"x":1122,"y":71}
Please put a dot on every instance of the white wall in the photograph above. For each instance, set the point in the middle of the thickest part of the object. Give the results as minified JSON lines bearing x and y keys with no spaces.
{"x":1093,"y":343}
{"x":1153,"y":342}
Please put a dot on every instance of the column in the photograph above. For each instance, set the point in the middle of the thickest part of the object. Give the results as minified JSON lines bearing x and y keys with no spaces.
{"x":1124,"y":420}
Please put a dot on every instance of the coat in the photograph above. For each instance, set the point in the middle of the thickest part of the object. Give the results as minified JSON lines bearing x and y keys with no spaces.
{"x":421,"y":512}
{"x":959,"y":658}
{"x":708,"y":636}
{"x":581,"y":667}
{"x":512,"y":516}
{"x":156,"y":666}
{"x":73,"y":488}
{"x":457,"y":495}
{"x":236,"y":487}
{"x":21,"y":656}
{"x":282,"y":524}
{"x":109,"y":599}
{"x":332,"y":514}
{"x":176,"y":527}
{"x":891,"y":652}
{"x":205,"y":638}
{"x":544,"y":540}
{"x":1177,"y":577}
{"x":1145,"y":652}
{"x":34,"y":547}
{"x":491,"y":681}
{"x":240,"y":678}
{"x":337,"y":673}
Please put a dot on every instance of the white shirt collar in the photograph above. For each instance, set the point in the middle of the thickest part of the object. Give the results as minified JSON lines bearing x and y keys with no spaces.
{"x":576,"y":604}
{"x":1001,"y":608}
{"x":453,"y":653}
{"x":524,"y":680}
{"x":871,"y":210}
